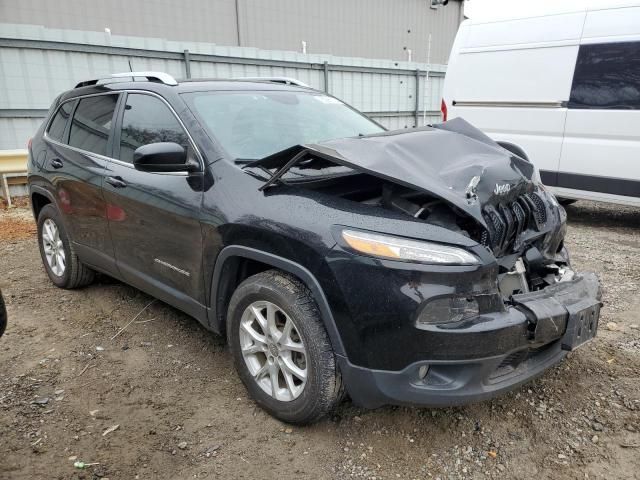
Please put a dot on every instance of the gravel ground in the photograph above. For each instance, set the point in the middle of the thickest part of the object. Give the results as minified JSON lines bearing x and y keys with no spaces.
{"x":162,"y":400}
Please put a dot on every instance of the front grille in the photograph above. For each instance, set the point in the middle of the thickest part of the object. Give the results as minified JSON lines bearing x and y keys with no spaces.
{"x":517,"y":362}
{"x":506,"y":222}
{"x":510,"y":363}
{"x":540,"y":210}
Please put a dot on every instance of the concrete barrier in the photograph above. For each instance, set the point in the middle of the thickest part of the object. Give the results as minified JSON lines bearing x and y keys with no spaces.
{"x":13,"y":163}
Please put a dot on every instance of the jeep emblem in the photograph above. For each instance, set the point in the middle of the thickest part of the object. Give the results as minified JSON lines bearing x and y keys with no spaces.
{"x":502,"y":189}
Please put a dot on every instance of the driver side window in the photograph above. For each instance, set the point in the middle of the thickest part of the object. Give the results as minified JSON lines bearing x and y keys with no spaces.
{"x":146,"y":120}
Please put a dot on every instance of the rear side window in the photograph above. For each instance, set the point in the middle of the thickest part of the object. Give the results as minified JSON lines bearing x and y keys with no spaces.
{"x":59,"y":122}
{"x":92,"y":123}
{"x":148,"y":120}
{"x":607,"y":76}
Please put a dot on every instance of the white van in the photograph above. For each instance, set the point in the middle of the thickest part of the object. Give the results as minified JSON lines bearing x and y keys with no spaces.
{"x":562,"y":89}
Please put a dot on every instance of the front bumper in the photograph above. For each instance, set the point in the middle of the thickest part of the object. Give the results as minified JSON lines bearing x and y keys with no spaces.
{"x":552,"y":321}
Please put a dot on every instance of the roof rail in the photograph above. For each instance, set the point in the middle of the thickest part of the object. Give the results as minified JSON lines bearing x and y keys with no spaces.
{"x":159,"y":77}
{"x":283,"y":80}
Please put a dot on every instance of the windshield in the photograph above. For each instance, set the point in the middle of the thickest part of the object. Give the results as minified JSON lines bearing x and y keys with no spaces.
{"x":254,"y":125}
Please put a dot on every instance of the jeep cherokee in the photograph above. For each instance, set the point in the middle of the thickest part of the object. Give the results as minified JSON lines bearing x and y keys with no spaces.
{"x":422,"y":267}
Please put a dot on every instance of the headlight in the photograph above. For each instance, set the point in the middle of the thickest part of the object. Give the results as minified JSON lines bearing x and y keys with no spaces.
{"x":396,"y":248}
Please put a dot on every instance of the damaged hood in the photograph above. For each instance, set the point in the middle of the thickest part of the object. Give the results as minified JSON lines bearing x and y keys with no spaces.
{"x":453,"y":161}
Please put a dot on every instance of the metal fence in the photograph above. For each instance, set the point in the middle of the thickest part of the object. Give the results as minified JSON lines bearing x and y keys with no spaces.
{"x":37,"y":63}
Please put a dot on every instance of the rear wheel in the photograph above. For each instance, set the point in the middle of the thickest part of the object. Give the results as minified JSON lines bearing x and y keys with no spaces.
{"x":281,"y":349}
{"x":58,"y":256}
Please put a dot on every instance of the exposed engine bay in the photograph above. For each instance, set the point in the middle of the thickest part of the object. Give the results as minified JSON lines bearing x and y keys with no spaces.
{"x":528,"y":249}
{"x":450,"y":175}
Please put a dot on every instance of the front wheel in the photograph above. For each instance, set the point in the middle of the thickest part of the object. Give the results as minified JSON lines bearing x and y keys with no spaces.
{"x":3,"y":315}
{"x":565,"y":202}
{"x":281,"y":349}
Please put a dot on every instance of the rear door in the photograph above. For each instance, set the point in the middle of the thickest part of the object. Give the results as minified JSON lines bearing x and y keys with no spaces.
{"x":154,"y":217}
{"x":76,"y":159}
{"x":600,"y":155}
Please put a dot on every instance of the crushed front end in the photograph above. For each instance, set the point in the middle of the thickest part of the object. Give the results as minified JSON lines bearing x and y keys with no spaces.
{"x":419,"y":332}
{"x":445,"y":335}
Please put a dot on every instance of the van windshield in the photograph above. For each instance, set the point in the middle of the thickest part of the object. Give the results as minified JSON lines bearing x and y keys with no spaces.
{"x":253,"y":125}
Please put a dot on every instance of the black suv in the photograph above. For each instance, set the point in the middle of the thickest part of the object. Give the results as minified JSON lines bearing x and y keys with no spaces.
{"x":420,"y":267}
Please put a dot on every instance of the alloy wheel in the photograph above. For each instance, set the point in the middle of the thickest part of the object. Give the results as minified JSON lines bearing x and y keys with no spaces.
{"x":53,"y":248}
{"x":273,"y":350}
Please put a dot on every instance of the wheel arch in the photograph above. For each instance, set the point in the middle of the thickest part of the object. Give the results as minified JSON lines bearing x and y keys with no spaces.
{"x":226,"y":278}
{"x":39,"y":198}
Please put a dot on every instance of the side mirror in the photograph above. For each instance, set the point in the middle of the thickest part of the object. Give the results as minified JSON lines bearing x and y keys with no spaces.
{"x":162,"y":157}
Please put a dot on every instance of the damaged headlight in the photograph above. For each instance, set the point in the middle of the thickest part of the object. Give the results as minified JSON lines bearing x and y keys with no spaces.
{"x":448,"y":310}
{"x":396,"y":248}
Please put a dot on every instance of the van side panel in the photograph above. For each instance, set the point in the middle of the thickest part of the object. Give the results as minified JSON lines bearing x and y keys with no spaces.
{"x":511,"y":79}
{"x":517,"y":33}
{"x":510,"y":75}
{"x":603,"y":25}
{"x":601,"y":151}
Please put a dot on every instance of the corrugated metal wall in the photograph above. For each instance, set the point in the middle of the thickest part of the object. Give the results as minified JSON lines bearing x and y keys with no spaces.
{"x":36,"y":64}
{"x":353,"y":28}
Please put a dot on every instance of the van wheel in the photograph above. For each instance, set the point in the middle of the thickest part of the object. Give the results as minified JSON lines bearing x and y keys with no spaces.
{"x":58,"y":256}
{"x":281,"y":349}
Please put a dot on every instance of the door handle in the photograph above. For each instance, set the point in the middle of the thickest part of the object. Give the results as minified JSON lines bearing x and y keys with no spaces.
{"x":116,"y":182}
{"x":57,"y":163}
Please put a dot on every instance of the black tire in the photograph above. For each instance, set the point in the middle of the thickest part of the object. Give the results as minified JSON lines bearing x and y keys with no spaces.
{"x":75,"y":274}
{"x":323,"y":389}
{"x":566,"y":201}
{"x":3,"y":315}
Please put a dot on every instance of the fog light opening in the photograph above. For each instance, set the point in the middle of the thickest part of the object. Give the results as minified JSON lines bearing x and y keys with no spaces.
{"x":422,"y":371}
{"x":450,"y":309}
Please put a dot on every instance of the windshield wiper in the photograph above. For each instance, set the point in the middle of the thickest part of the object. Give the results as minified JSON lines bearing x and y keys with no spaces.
{"x":303,"y":156}
{"x":282,"y":170}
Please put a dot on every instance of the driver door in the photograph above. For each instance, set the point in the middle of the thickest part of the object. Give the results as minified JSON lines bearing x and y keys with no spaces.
{"x":154,"y":218}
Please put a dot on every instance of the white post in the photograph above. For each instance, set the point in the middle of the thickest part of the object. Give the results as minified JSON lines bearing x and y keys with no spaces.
{"x":5,"y":190}
{"x":426,"y":84}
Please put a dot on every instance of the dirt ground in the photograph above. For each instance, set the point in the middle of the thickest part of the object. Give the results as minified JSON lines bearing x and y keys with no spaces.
{"x":181,"y":411}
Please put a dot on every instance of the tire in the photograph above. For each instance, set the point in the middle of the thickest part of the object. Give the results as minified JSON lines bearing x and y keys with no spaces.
{"x":323,"y":388}
{"x":566,"y":201}
{"x":74,"y":274}
{"x":3,"y":315}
